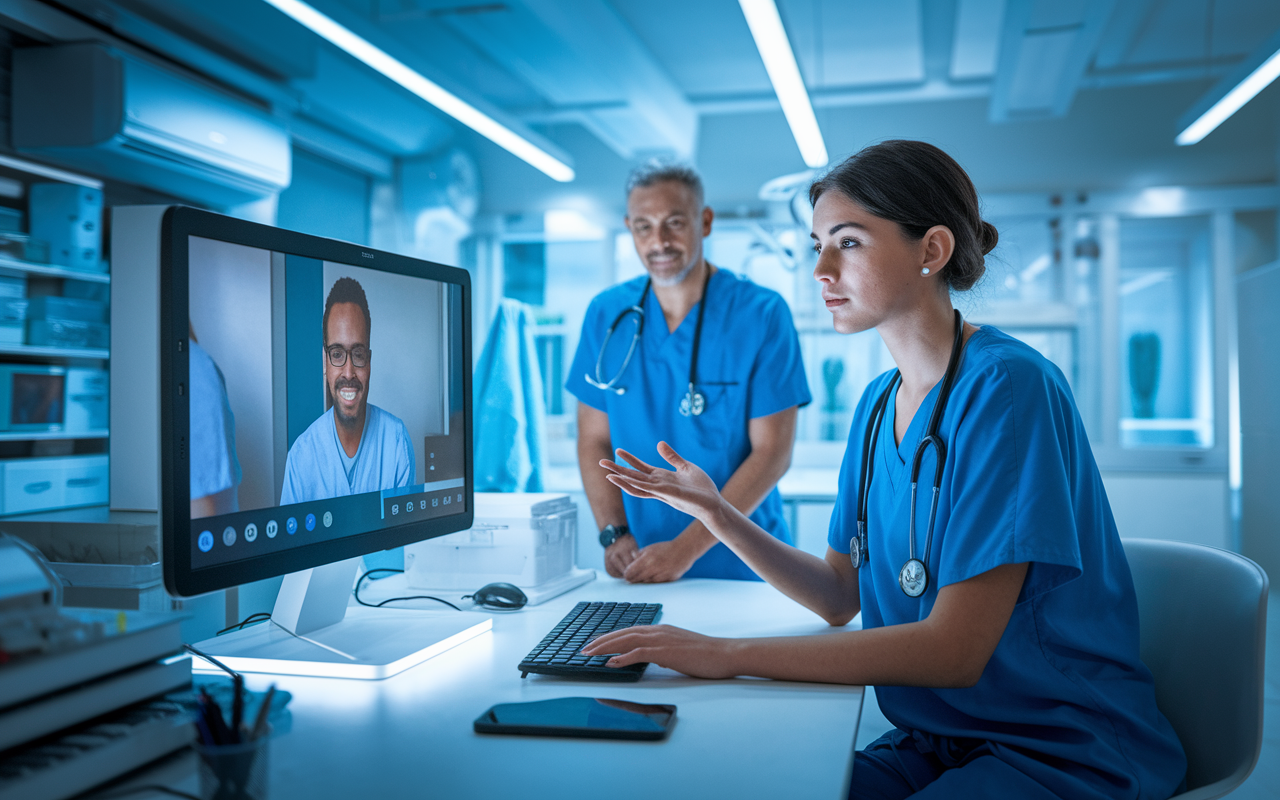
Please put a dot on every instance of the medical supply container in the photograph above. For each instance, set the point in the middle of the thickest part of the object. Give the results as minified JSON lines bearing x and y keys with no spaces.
{"x":522,"y":538}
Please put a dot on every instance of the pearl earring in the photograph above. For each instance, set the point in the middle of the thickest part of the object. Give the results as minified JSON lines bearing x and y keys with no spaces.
{"x":924,"y":271}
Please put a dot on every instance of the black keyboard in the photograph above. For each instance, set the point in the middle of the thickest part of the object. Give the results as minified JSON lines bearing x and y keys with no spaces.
{"x":559,"y":652}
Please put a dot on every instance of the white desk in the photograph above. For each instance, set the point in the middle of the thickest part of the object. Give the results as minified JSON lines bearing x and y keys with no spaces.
{"x":411,"y":736}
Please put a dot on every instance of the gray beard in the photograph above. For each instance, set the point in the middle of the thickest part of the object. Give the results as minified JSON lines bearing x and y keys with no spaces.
{"x":676,"y":279}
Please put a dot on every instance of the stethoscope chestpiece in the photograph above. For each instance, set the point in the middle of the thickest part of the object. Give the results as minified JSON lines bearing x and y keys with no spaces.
{"x":693,"y":403}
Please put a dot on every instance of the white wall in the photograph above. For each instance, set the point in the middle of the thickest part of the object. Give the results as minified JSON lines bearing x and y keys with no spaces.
{"x":231,"y":315}
{"x":1185,"y":508}
{"x":408,"y":359}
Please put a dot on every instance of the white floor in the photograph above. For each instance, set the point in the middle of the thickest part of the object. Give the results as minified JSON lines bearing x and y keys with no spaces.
{"x":1263,"y":784}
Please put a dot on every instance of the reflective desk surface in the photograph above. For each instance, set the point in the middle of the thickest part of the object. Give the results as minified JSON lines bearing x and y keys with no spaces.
{"x":411,"y":735}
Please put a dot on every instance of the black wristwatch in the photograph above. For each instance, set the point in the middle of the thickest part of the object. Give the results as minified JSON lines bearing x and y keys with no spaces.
{"x":613,"y":533}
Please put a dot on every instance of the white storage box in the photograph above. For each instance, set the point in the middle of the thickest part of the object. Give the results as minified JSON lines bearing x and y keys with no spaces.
{"x":521,"y":538}
{"x":36,"y":484}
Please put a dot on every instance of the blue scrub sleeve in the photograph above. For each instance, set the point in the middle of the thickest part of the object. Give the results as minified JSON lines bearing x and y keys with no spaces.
{"x":1011,"y":454}
{"x":594,"y":327}
{"x":777,"y":378}
{"x":214,"y":466}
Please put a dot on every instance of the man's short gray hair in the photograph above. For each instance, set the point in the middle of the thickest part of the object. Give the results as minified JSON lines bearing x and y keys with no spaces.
{"x":657,"y":170}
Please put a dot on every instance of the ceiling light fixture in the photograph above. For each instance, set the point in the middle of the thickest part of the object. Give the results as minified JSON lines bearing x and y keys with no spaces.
{"x":784,"y":74}
{"x":1232,"y":100}
{"x":428,"y":90}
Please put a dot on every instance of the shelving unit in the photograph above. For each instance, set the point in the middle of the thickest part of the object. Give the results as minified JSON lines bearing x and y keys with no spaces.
{"x":52,"y":469}
{"x":49,"y":271}
{"x":31,"y":436}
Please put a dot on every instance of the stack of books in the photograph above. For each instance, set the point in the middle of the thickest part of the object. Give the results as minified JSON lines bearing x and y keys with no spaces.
{"x":90,"y":708}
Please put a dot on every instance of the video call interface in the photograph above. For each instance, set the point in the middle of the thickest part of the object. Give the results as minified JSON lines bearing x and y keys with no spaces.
{"x":326,"y":401}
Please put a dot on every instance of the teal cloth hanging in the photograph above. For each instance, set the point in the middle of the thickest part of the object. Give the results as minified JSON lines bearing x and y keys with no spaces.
{"x":510,"y":411}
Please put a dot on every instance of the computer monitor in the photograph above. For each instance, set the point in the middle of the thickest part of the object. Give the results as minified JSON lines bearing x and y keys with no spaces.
{"x":315,"y":404}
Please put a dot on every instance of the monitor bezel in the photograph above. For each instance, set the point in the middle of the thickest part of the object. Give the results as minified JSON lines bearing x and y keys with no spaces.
{"x":178,"y":224}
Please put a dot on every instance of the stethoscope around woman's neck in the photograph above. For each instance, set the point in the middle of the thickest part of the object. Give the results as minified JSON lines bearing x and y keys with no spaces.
{"x":913,"y":578}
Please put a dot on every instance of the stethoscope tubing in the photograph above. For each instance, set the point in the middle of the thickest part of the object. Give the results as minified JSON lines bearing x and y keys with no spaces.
{"x":912,"y":586}
{"x":694,"y":402}
{"x":612,"y":384}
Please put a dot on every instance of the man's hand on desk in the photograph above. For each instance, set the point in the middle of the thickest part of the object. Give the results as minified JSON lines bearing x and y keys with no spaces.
{"x":661,"y":562}
{"x":620,"y":555}
{"x":674,"y":648}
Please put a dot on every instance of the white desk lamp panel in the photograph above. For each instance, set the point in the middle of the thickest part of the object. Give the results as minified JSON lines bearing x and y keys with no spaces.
{"x":369,"y":644}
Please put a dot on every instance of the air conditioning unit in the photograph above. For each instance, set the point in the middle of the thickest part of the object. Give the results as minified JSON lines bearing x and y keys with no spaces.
{"x":92,"y":107}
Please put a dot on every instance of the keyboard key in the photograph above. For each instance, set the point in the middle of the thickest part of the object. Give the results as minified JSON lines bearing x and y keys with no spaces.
{"x":560,"y":651}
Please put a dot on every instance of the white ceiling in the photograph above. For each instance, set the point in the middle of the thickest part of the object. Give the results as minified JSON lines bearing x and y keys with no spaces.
{"x":609,"y":81}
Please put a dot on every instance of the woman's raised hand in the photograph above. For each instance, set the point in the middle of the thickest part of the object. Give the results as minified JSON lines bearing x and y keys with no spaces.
{"x":686,"y":489}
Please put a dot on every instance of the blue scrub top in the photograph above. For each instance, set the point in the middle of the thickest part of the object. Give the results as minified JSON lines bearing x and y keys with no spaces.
{"x":214,"y":466}
{"x":315,"y":469}
{"x":749,"y":366}
{"x":1065,"y":697}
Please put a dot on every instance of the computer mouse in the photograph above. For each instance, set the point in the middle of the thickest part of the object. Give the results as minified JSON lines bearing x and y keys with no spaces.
{"x":502,"y":596}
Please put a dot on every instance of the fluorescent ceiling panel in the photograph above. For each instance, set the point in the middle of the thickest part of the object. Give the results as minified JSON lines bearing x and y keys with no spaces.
{"x":428,"y":90}
{"x":977,"y":42}
{"x":1232,"y":93}
{"x":784,"y":74}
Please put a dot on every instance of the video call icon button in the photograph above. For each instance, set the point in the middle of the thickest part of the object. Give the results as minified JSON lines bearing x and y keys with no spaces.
{"x":291,"y":525}
{"x":272,"y":529}
{"x":205,"y":541}
{"x":250,"y":532}
{"x":328,"y":518}
{"x":229,"y":536}
{"x":311,"y":522}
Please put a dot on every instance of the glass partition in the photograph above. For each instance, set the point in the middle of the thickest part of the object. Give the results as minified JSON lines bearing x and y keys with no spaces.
{"x":1165,"y":300}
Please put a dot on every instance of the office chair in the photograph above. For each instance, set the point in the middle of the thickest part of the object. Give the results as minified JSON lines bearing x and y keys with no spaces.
{"x":1203,"y":615}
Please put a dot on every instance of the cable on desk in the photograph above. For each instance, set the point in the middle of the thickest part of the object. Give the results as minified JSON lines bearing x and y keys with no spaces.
{"x":212,"y":661}
{"x":360,"y":583}
{"x":261,"y":616}
{"x":148,"y":788}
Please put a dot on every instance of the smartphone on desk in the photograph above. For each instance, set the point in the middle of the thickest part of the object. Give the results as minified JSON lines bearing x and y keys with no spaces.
{"x":582,"y":717}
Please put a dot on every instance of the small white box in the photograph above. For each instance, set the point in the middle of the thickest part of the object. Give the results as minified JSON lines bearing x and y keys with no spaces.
{"x":39,"y":484}
{"x":521,"y":538}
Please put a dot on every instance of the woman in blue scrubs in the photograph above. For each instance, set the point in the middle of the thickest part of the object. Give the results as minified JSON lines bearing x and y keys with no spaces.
{"x":1014,"y":667}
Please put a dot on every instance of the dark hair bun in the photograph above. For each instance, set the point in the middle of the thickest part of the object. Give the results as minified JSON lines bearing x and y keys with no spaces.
{"x":990,"y":237}
{"x":918,"y":186}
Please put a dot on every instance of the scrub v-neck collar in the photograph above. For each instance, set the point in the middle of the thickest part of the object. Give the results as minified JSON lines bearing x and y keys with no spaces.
{"x":653,"y":311}
{"x":895,"y":458}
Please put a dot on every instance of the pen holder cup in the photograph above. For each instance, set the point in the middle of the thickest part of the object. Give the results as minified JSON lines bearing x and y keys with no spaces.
{"x":234,"y":771}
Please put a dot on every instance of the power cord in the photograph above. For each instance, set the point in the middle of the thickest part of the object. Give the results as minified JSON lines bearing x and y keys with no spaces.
{"x":261,"y":616}
{"x":148,"y":788}
{"x":360,"y":583}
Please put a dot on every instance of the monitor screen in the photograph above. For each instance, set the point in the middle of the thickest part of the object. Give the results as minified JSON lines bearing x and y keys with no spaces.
{"x":314,"y":400}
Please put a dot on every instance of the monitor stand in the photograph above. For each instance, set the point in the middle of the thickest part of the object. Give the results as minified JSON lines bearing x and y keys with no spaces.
{"x":313,"y":632}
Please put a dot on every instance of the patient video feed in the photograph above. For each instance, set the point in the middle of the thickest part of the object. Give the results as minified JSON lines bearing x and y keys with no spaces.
{"x":325,"y":400}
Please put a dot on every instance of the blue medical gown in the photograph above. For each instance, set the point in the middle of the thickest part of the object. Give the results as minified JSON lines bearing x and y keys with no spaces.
{"x":214,"y":466}
{"x":1065,"y":697}
{"x":749,"y":366}
{"x":314,"y":469}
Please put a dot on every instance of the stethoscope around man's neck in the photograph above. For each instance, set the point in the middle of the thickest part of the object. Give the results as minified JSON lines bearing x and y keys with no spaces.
{"x":694,"y":402}
{"x":913,"y":578}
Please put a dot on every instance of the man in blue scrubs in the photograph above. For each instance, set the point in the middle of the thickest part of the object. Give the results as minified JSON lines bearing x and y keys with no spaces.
{"x":215,"y":470}
{"x":748,"y":371}
{"x":354,"y":447}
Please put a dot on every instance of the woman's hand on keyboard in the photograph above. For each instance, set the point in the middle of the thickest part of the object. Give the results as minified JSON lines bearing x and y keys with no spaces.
{"x":667,"y":646}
